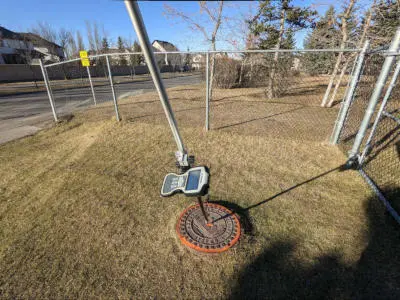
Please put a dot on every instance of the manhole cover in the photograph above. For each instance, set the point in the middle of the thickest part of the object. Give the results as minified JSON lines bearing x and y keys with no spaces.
{"x":217,"y":236}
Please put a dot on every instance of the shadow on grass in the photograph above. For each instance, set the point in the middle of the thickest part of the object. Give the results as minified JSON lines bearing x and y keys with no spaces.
{"x":243,"y":212}
{"x":258,"y":119}
{"x":339,"y":168}
{"x":277,"y":274}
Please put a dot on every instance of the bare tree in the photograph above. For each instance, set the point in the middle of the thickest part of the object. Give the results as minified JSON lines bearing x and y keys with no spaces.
{"x":90,"y":37}
{"x":367,"y":24}
{"x":46,"y":31}
{"x":73,"y":47}
{"x":79,"y":41}
{"x":64,"y":39}
{"x":345,"y":16}
{"x":214,"y":14}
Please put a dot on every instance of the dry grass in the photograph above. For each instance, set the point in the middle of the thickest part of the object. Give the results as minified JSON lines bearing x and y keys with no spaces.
{"x":81,"y":215}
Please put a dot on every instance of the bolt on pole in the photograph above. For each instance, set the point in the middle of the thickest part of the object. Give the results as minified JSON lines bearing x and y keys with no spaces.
{"x":49,"y":93}
{"x":381,"y":111}
{"x":91,"y":85}
{"x":112,"y":89}
{"x":350,"y":95}
{"x":379,"y":86}
{"x":207,"y":92}
{"x":137,"y":22}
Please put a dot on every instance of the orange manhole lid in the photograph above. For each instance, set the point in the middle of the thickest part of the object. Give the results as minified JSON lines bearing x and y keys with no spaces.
{"x":219,"y":235}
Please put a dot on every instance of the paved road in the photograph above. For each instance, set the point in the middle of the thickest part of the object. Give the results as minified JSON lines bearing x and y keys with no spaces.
{"x":24,"y":114}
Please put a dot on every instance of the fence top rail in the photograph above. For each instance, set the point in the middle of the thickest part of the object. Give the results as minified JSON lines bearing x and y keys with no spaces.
{"x":215,"y":51}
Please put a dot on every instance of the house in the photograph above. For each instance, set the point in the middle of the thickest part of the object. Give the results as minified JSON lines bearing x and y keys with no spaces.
{"x":49,"y":51}
{"x":167,"y":59}
{"x":198,"y":61}
{"x":27,"y":48}
{"x":13,"y":48}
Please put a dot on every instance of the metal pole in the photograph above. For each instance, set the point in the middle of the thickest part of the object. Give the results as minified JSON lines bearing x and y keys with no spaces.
{"x":137,"y":21}
{"x":112,"y":89}
{"x":49,"y":93}
{"x":91,"y":85}
{"x":207,"y":92}
{"x":352,"y":74}
{"x":379,"y":86}
{"x":349,"y":96}
{"x":381,"y":111}
{"x":205,"y":214}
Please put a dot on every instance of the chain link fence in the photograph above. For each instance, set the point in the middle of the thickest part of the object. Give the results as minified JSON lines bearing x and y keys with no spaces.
{"x":276,"y":95}
{"x":371,"y":132}
{"x":371,"y":69}
{"x":266,"y":93}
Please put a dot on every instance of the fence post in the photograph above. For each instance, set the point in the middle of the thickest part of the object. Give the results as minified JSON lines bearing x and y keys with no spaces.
{"x":381,"y":111}
{"x":349,"y":96}
{"x":112,"y":89}
{"x":379,"y":86}
{"x":49,"y":93}
{"x":207,"y":92}
{"x":91,"y":85}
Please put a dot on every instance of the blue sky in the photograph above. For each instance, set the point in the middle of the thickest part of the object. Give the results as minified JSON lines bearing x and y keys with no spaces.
{"x":71,"y":14}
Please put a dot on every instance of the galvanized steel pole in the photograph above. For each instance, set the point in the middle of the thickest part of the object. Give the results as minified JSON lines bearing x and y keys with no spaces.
{"x":381,"y":111}
{"x":91,"y":85}
{"x":207,"y":92}
{"x":112,"y":89}
{"x":350,"y":95}
{"x":49,"y":93}
{"x":379,"y":86}
{"x":137,"y":21}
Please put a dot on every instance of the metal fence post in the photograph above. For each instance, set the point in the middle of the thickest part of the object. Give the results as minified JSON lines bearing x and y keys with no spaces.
{"x":91,"y":85}
{"x":381,"y":111}
{"x":207,"y":92}
{"x":349,"y":95}
{"x":379,"y":86}
{"x":112,"y":89}
{"x":49,"y":93}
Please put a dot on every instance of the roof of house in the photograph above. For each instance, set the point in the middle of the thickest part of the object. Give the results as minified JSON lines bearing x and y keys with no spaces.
{"x":28,"y":36}
{"x":166,"y":45}
{"x":8,"y":34}
{"x":38,"y":40}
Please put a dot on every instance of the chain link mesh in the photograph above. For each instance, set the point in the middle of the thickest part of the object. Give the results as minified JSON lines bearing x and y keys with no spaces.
{"x":382,"y":164}
{"x":370,"y":72}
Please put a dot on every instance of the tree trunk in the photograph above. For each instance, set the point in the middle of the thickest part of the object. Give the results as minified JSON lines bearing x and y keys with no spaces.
{"x":359,"y":45}
{"x":212,"y":70}
{"x":242,"y":68}
{"x":213,"y":46}
{"x":339,"y":82}
{"x":344,"y":18}
{"x":271,"y":82}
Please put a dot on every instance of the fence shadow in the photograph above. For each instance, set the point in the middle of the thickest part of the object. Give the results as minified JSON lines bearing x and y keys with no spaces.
{"x":258,"y":119}
{"x":277,"y":274}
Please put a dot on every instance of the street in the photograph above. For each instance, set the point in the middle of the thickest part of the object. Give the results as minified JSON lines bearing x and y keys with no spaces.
{"x":24,"y":114}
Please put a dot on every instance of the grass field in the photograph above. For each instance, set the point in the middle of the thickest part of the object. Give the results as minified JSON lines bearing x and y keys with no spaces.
{"x":81,"y":215}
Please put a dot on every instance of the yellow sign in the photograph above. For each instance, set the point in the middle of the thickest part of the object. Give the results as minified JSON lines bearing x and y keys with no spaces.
{"x":85,"y":62}
{"x":83,"y":54}
{"x":84,"y":58}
